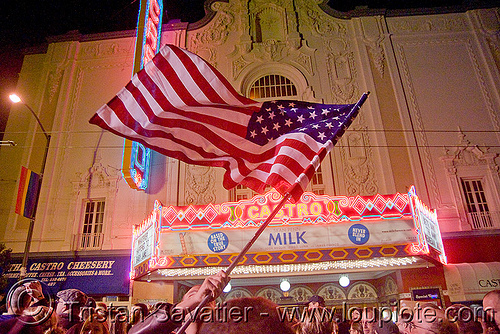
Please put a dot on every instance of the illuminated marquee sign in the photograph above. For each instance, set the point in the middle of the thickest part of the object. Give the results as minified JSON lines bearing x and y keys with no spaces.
{"x":136,"y":157}
{"x":144,"y":241}
{"x":427,"y":228}
{"x":318,"y":228}
{"x":311,"y":210}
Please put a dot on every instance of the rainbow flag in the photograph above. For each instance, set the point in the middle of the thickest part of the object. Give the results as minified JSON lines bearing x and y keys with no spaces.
{"x":27,"y":194}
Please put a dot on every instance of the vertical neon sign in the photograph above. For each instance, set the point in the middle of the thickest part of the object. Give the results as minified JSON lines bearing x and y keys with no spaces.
{"x":137,"y":158}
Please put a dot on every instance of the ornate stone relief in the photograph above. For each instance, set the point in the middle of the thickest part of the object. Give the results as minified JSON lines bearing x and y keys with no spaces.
{"x":332,"y":292}
{"x":205,"y":42}
{"x":378,"y":56}
{"x":324,"y":26}
{"x":279,"y":15}
{"x":373,"y":38}
{"x":340,"y":72}
{"x":466,"y":154}
{"x":54,"y":83}
{"x":272,"y":294}
{"x":95,"y":50}
{"x":362,"y":291}
{"x":199,"y":185}
{"x":301,"y":293}
{"x":340,"y":61}
{"x":390,"y":287}
{"x":439,"y":23}
{"x":97,"y":177}
{"x":239,"y":65}
{"x":238,"y":293}
{"x":271,"y":35}
{"x":268,"y":24}
{"x":358,"y":166}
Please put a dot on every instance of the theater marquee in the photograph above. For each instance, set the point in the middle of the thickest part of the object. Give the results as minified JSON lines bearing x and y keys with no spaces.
{"x":318,"y":228}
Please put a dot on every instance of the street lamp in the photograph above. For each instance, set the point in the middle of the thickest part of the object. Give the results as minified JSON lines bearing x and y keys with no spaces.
{"x":16,"y":99}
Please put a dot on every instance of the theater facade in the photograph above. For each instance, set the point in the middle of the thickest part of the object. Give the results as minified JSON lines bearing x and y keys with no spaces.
{"x":379,"y":243}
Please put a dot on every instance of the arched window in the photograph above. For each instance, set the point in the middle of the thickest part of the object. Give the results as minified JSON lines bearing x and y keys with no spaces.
{"x":268,"y":87}
{"x":272,"y":85}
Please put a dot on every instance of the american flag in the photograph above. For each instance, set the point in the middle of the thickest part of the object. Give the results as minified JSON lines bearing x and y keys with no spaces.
{"x":182,"y":107}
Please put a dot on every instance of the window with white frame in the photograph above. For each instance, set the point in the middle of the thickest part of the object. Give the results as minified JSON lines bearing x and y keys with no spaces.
{"x":474,"y":179}
{"x":476,"y":205}
{"x":92,"y":233}
{"x":317,"y":184}
{"x":241,"y":192}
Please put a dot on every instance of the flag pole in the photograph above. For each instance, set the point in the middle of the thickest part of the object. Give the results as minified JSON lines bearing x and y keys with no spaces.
{"x":235,"y":262}
{"x":261,"y":229}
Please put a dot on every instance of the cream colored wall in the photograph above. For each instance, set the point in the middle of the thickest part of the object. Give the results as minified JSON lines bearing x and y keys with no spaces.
{"x":68,"y":84}
{"x":430,"y":76}
{"x":440,"y":69}
{"x":447,"y":82}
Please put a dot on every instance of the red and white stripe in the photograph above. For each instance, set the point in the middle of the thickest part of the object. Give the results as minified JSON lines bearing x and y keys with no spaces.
{"x":182,"y":107}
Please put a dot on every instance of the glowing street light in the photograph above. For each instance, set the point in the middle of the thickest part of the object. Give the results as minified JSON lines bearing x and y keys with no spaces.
{"x":16,"y":99}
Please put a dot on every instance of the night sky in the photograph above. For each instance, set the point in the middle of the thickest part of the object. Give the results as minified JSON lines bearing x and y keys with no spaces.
{"x":27,"y":23}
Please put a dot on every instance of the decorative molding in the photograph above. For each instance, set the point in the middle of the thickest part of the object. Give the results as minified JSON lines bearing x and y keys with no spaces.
{"x":357,"y":157}
{"x":341,"y":73}
{"x":373,"y":38}
{"x":362,"y":291}
{"x":54,"y":80}
{"x":97,"y":177}
{"x":273,"y":294}
{"x":418,"y":121}
{"x":390,"y":287}
{"x":199,"y":185}
{"x":239,"y":65}
{"x":465,"y":154}
{"x":205,"y":42}
{"x":332,"y":292}
{"x":103,"y":49}
{"x":323,"y":25}
{"x":436,"y":23}
{"x":237,"y":293}
{"x":301,"y":293}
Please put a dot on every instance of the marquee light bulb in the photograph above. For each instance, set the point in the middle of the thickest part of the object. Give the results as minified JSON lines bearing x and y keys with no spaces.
{"x":285,"y":285}
{"x":344,"y":281}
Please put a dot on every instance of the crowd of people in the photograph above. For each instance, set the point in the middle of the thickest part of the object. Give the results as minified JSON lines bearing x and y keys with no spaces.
{"x":73,"y":312}
{"x":429,"y":318}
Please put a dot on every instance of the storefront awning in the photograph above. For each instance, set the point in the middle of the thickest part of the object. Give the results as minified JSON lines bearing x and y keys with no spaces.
{"x":101,"y":274}
{"x":471,"y":281}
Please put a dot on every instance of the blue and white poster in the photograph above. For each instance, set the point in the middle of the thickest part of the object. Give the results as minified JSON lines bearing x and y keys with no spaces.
{"x":218,"y":242}
{"x":358,"y":234}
